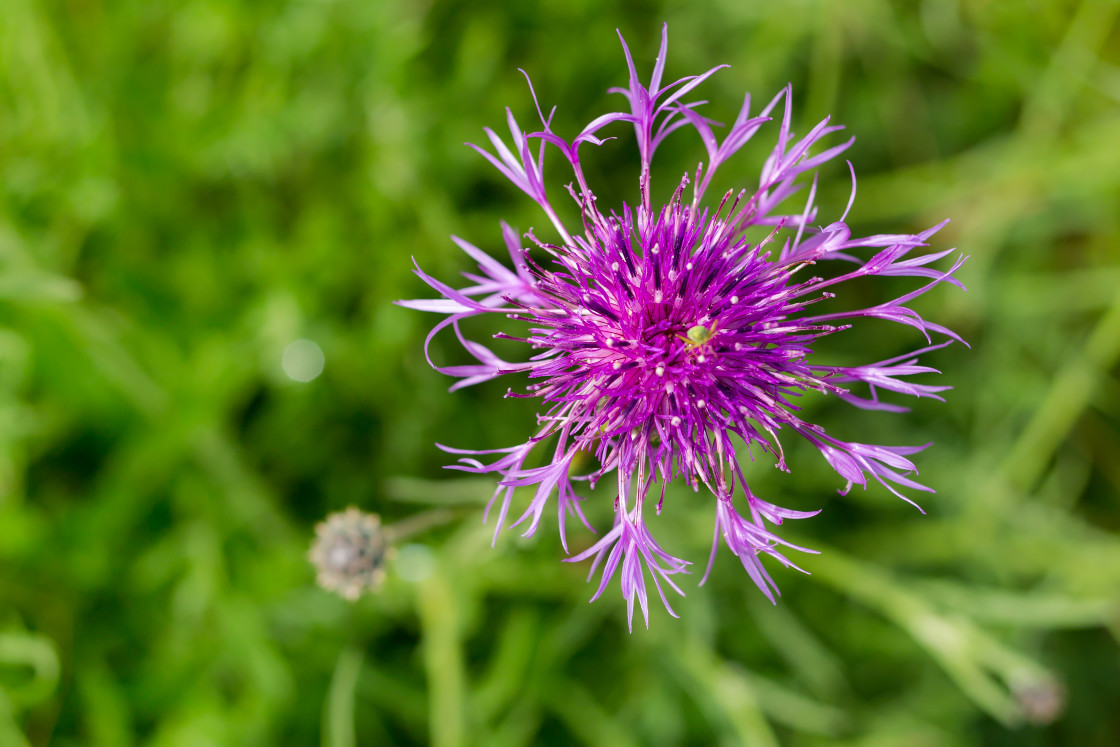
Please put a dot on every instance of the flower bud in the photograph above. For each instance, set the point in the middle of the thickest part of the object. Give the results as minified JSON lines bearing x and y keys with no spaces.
{"x":349,"y":552}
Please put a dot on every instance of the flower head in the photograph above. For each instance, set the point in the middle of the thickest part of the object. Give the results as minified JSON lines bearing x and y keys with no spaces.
{"x":665,"y":342}
{"x":349,"y":552}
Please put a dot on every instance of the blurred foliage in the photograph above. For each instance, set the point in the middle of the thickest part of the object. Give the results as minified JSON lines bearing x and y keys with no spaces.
{"x":187,"y":187}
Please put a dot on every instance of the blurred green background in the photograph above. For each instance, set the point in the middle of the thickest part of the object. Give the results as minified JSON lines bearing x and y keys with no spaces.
{"x":186,"y":188}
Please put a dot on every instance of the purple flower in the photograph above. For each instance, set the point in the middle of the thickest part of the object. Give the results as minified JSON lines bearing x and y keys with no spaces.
{"x":664,"y":341}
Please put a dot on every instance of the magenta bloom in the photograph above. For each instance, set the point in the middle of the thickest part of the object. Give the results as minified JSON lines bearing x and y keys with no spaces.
{"x":664,"y":341}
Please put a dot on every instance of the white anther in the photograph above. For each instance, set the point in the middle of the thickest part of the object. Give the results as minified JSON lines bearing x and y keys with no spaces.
{"x":610,"y":342}
{"x":738,"y":346}
{"x":688,"y":266}
{"x":675,"y":421}
{"x":614,"y":266}
{"x":616,"y":365}
{"x":701,"y":404}
{"x":734,"y":300}
{"x":660,"y":370}
{"x":700,"y":359}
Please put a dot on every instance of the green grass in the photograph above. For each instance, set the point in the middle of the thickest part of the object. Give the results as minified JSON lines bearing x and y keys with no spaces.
{"x":188,"y":187}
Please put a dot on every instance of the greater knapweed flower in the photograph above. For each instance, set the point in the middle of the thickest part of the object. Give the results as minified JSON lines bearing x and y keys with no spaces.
{"x":668,"y":339}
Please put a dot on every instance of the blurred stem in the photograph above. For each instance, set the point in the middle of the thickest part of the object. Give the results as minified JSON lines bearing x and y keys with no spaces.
{"x":789,"y":707}
{"x":715,"y":683}
{"x":1067,"y":398}
{"x":443,"y":661}
{"x":1036,"y":608}
{"x":584,"y":717}
{"x":968,"y":654}
{"x":19,"y":650}
{"x":421,"y":522}
{"x":813,"y":662}
{"x":338,"y":722}
{"x":508,"y":670}
{"x":1048,"y":103}
{"x":826,"y":63}
{"x":467,"y":491}
{"x":9,"y":732}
